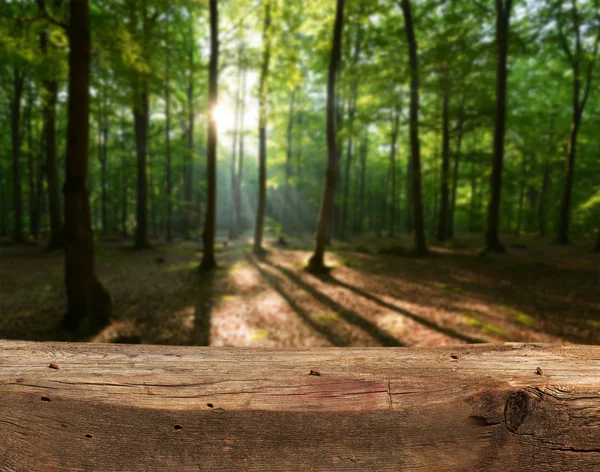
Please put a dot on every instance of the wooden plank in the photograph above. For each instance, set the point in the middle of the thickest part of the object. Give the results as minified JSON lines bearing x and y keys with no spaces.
{"x":149,"y":408}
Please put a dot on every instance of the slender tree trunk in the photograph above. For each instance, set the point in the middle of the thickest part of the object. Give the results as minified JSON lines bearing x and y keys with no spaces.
{"x":351,"y":118}
{"x":288,"y":166}
{"x":188,"y":168}
{"x":49,"y":98}
{"x":124,"y":182}
{"x":262,"y":131}
{"x":393,"y":152}
{"x":579,"y":102}
{"x":233,"y":228}
{"x":503,"y":11}
{"x":417,"y":202}
{"x":363,"y":175}
{"x":317,"y":262}
{"x":208,"y":237}
{"x":444,"y":216}
{"x":455,"y":172}
{"x":169,"y":177}
{"x":15,"y":108}
{"x":141,"y":118}
{"x":30,"y":163}
{"x":88,"y":303}
{"x":240,"y":172}
{"x":521,"y":196}
{"x":104,"y":162}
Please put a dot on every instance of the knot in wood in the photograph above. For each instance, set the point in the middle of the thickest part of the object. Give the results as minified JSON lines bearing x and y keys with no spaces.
{"x":518,"y":407}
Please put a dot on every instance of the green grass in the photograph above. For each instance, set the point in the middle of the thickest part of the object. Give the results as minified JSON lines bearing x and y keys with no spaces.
{"x":524,"y":319}
{"x":594,"y":323}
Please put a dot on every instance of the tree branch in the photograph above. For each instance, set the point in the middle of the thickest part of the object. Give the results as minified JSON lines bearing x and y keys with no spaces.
{"x":46,"y":14}
{"x":590,"y":70}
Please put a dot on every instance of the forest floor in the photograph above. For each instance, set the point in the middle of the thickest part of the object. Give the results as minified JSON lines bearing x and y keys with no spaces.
{"x":376,"y":294}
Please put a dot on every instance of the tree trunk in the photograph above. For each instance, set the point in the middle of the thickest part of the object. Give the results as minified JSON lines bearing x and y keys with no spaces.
{"x":169,"y":177}
{"x":262,"y":131}
{"x":444,"y":216}
{"x":287,"y":213}
{"x":141,"y":118}
{"x":417,"y":202}
{"x":124,"y":184}
{"x":395,"y":128}
{"x":49,"y":98}
{"x":233,"y":228}
{"x":364,"y":152}
{"x":503,"y":11}
{"x":317,"y":262}
{"x":579,"y":102}
{"x":88,"y":303}
{"x":141,"y":123}
{"x":455,"y":172}
{"x":208,"y":236}
{"x":240,"y":173}
{"x":104,"y":162}
{"x":351,"y":116}
{"x":188,"y":167}
{"x":15,"y":109}
{"x":521,"y":196}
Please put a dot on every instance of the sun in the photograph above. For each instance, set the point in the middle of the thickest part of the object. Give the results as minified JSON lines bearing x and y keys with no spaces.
{"x":224,"y":117}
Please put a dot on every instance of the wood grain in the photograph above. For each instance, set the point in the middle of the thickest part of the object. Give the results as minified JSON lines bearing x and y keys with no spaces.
{"x":149,"y":408}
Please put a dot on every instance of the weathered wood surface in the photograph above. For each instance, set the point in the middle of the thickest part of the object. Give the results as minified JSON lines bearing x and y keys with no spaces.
{"x":129,"y":408}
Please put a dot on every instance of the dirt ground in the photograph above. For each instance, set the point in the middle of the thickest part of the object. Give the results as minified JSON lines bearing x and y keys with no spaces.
{"x":376,"y":294}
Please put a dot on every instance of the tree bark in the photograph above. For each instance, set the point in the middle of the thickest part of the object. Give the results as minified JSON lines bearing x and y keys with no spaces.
{"x":88,"y":303}
{"x":287,"y":213}
{"x":364,"y":153}
{"x":169,"y":177}
{"x":444,"y":216}
{"x":240,"y":172}
{"x":455,"y":171}
{"x":15,"y":109}
{"x":417,"y":202}
{"x":503,"y":11}
{"x":262,"y":131}
{"x":188,"y":167}
{"x":208,"y":253}
{"x":316,"y":262}
{"x":233,"y":228}
{"x":351,"y":117}
{"x":49,"y":98}
{"x":395,"y":128}
{"x":141,"y":123}
{"x":579,"y":102}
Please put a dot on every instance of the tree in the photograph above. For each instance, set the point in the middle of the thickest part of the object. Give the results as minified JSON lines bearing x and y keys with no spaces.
{"x":208,"y":255}
{"x":503,"y":11}
{"x":316,"y":263}
{"x":581,"y":91}
{"x":15,"y":126}
{"x":49,"y":97}
{"x":262,"y":131}
{"x":88,"y":303}
{"x":415,"y":146}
